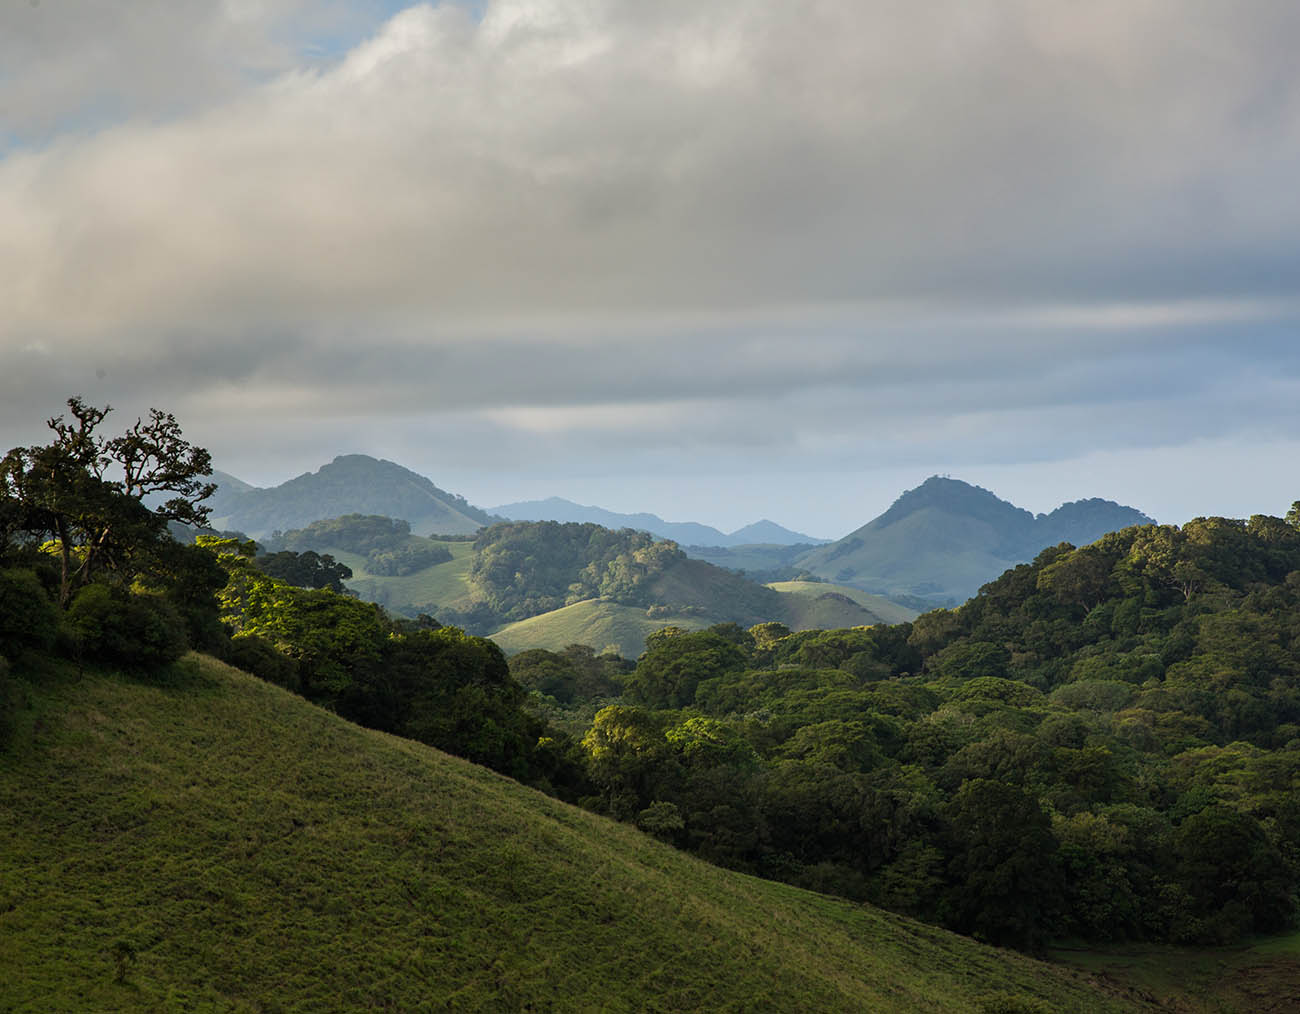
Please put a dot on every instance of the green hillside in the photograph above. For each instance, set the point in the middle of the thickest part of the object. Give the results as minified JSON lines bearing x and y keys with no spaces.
{"x":945,"y":539}
{"x":596,"y":622}
{"x":442,"y":584}
{"x":209,"y":842}
{"x":713,"y":596}
{"x":887,"y":610}
{"x":545,"y":585}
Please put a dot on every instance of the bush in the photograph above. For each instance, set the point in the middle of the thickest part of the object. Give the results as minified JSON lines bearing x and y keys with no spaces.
{"x":28,"y":619}
{"x":260,"y":657}
{"x":135,"y":631}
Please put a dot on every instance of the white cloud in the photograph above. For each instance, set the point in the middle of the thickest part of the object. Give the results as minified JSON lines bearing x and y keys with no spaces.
{"x":677,"y":227}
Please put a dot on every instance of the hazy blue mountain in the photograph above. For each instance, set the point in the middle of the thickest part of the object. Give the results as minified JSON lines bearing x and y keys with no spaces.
{"x":945,"y":539}
{"x":350,"y":484}
{"x":684,"y":533}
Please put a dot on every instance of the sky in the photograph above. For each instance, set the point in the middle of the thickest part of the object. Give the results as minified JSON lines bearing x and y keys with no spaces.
{"x":719,"y":261}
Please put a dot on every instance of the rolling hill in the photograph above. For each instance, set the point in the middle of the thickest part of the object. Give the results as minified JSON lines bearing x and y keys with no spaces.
{"x":887,"y":610}
{"x":599,"y":623}
{"x":945,"y":539}
{"x":704,"y":597}
{"x":350,"y":484}
{"x":207,"y":841}
{"x":532,"y":611}
{"x":685,"y":533}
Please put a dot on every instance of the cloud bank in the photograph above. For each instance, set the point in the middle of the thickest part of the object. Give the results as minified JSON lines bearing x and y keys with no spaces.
{"x":586,"y":239}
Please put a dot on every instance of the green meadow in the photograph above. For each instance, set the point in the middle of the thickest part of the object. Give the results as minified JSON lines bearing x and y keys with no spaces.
{"x":205,"y":841}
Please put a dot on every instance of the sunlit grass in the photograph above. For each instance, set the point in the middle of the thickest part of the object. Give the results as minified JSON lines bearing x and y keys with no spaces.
{"x":226,"y":846}
{"x":596,"y":622}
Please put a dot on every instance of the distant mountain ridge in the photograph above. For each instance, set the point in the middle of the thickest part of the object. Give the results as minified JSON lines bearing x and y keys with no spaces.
{"x":944,"y":539}
{"x":350,"y":484}
{"x":684,"y":533}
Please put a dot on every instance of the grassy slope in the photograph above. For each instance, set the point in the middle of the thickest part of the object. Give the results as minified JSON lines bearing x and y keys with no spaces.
{"x":1263,"y":978}
{"x":928,"y":552}
{"x":596,"y":622}
{"x":260,"y":854}
{"x":623,"y":629}
{"x":443,"y":584}
{"x":888,"y":611}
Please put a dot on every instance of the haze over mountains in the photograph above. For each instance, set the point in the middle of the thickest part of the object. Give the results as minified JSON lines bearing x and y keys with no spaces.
{"x":684,"y":533}
{"x":350,"y":484}
{"x":936,"y":545}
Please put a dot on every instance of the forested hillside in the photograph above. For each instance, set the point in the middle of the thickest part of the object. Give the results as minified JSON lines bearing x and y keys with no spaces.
{"x":1103,"y":744}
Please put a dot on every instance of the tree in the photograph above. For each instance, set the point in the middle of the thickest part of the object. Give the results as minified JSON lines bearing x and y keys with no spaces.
{"x":87,"y":492}
{"x":1002,"y":867}
{"x":672,"y":667}
{"x":306,"y":570}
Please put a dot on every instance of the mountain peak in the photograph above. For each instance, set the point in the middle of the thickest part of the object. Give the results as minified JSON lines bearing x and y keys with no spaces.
{"x":350,"y":484}
{"x":942,"y":540}
{"x":956,"y":497}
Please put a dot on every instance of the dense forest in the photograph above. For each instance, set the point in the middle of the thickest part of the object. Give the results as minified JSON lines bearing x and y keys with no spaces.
{"x":1103,"y":744}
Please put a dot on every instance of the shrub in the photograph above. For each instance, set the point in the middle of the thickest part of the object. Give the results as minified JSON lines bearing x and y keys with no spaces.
{"x":260,"y":657}
{"x":135,"y":631}
{"x":28,"y":619}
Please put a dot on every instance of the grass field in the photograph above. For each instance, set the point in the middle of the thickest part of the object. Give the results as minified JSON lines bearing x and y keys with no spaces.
{"x":601,"y":624}
{"x":213,"y":843}
{"x":887,"y":610}
{"x":443,"y":584}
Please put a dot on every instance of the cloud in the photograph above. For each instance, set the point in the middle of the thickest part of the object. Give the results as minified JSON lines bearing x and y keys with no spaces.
{"x":750,"y":228}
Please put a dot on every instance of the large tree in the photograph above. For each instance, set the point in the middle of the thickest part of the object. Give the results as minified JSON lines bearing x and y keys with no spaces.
{"x":87,"y":493}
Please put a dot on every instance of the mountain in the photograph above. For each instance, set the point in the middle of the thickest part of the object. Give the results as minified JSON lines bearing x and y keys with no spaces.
{"x":202,"y":840}
{"x":350,"y":484}
{"x":684,"y":533}
{"x":946,"y":538}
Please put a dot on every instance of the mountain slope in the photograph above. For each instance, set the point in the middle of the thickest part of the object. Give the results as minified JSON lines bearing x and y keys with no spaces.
{"x":685,"y":533}
{"x":350,"y":484}
{"x":697,"y":595}
{"x":946,"y":538}
{"x":885,"y":609}
{"x":604,"y":625}
{"x":216,"y":843}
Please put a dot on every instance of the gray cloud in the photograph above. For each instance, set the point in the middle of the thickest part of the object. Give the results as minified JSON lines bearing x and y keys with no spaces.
{"x":818,"y":236}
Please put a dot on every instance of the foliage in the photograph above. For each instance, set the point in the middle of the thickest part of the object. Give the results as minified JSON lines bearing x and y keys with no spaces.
{"x":431,"y":683}
{"x":676,"y":662}
{"x":136,"y":631}
{"x":575,"y":672}
{"x":1103,"y":744}
{"x":524,"y":568}
{"x":385,"y":543}
{"x":86,"y":491}
{"x":306,"y":570}
{"x":28,"y":619}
